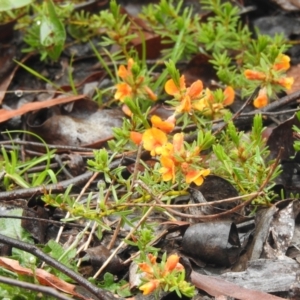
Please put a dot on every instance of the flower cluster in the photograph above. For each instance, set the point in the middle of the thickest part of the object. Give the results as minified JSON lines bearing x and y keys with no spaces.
{"x":133,"y":84}
{"x":196,"y":98}
{"x":175,"y":159}
{"x":169,"y":273}
{"x":273,"y":77}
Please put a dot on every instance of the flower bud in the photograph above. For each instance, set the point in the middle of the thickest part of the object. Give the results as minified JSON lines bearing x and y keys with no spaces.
{"x":149,"y":287}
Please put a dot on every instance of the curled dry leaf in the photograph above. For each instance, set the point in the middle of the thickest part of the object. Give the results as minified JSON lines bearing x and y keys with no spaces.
{"x":84,"y":124}
{"x":8,"y":114}
{"x":44,"y":277}
{"x":289,"y":5}
{"x":217,"y":287}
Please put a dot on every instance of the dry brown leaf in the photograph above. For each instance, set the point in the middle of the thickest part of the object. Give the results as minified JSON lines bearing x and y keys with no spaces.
{"x":8,"y":114}
{"x":43,"y":277}
{"x":218,"y":287}
{"x":9,"y":77}
{"x":288,"y":5}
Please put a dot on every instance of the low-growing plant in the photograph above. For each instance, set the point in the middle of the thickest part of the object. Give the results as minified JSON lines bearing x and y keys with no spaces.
{"x":183,"y":146}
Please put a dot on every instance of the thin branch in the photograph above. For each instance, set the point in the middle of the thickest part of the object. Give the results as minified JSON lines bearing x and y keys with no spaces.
{"x":34,"y":287}
{"x":42,"y":189}
{"x":236,"y":208}
{"x":98,"y":292}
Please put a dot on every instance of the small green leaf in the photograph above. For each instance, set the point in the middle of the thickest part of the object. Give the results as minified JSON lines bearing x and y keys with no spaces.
{"x":52,"y":31}
{"x":6,"y":5}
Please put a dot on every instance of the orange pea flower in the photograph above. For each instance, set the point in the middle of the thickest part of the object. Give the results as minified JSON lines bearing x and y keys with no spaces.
{"x":262,"y":99}
{"x":150,"y":93}
{"x":146,"y":268}
{"x":168,"y":150}
{"x":149,"y":287}
{"x":178,"y":142}
{"x":168,"y":168}
{"x":154,"y":139}
{"x":185,"y":95}
{"x":229,"y":96}
{"x":172,"y":89}
{"x":171,"y":263}
{"x":205,"y":102}
{"x":136,"y":137}
{"x":179,"y":267}
{"x":254,"y":75}
{"x":152,"y":258}
{"x":126,"y":110}
{"x":195,"y":90}
{"x":196,"y":176}
{"x":123,"y":91}
{"x":185,"y":105}
{"x":124,"y":72}
{"x":282,"y":62}
{"x":286,"y":82}
{"x":166,"y":126}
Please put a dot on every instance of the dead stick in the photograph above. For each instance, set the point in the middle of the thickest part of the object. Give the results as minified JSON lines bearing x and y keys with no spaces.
{"x":98,"y":292}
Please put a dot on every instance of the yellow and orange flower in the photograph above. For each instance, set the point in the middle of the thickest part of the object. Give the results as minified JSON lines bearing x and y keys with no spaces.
{"x":178,"y":143}
{"x":152,"y":258}
{"x":196,"y":176}
{"x":229,"y":95}
{"x":124,"y":72}
{"x":123,"y":90}
{"x":172,"y":89}
{"x":150,"y":286}
{"x":262,"y":99}
{"x":166,"y":126}
{"x":126,"y":110}
{"x":286,"y":82}
{"x":254,"y":75}
{"x":168,"y":168}
{"x":136,"y":137}
{"x":153,"y":140}
{"x":195,"y":90}
{"x":171,"y":262}
{"x":132,"y":85}
{"x":150,"y":93}
{"x":282,"y":62}
{"x":185,"y":95}
{"x":146,"y":268}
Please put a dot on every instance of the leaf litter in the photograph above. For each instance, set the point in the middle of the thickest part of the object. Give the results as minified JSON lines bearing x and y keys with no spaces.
{"x":241,"y":254}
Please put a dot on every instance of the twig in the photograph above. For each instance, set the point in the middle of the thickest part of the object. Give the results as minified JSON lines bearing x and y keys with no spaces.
{"x":50,"y":146}
{"x":54,"y":188}
{"x":98,"y":292}
{"x":227,"y":200}
{"x":34,"y":287}
{"x":41,"y":190}
{"x":60,"y":223}
{"x":91,"y":179}
{"x":236,"y":208}
{"x":126,"y":238}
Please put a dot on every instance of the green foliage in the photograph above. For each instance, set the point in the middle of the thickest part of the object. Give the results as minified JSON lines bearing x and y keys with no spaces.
{"x":121,"y":287}
{"x":8,"y":5}
{"x":239,"y":157}
{"x":64,"y":256}
{"x":175,"y":25}
{"x":297,"y":134}
{"x":47,"y":32}
{"x":142,"y":240}
{"x":15,"y":169}
{"x":12,"y":227}
{"x":15,"y":293}
{"x":242,"y":160}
